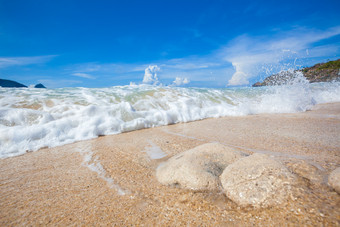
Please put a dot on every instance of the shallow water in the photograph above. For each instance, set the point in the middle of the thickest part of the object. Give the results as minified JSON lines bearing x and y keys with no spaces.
{"x":94,"y":165}
{"x":154,"y":152}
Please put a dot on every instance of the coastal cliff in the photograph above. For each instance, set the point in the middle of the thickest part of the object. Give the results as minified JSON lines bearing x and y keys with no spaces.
{"x":322,"y":72}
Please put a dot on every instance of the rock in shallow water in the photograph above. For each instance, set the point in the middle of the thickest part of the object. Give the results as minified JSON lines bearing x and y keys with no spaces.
{"x":306,"y":170}
{"x":334,"y":179}
{"x":198,"y":168}
{"x":257,"y":180}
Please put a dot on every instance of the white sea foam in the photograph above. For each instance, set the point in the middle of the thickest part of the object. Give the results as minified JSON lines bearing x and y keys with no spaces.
{"x":34,"y":118}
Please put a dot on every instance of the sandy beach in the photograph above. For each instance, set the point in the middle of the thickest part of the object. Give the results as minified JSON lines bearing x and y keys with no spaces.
{"x":111,"y":180}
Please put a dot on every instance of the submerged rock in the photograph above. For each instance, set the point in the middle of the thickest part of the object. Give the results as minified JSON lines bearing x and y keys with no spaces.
{"x":334,"y":179}
{"x":306,"y":170}
{"x":257,"y":180}
{"x":198,"y":168}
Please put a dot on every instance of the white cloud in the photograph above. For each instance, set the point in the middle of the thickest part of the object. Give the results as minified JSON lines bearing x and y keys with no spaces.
{"x":179,"y":81}
{"x":83,"y":75}
{"x":150,"y":76}
{"x":238,"y":78}
{"x":17,"y":61}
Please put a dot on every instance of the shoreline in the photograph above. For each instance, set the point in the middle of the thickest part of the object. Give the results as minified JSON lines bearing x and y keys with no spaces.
{"x":111,"y":179}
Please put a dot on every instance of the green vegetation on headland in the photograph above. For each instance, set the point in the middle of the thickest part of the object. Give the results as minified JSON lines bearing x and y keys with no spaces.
{"x":330,"y":65}
{"x":322,"y":72}
{"x":11,"y":83}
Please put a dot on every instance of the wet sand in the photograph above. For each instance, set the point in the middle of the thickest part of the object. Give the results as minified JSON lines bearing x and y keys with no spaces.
{"x":111,"y":180}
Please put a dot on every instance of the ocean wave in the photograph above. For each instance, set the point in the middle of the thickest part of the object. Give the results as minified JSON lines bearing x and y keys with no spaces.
{"x":34,"y":118}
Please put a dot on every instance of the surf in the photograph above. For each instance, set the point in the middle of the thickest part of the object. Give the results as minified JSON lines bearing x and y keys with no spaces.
{"x":33,"y":118}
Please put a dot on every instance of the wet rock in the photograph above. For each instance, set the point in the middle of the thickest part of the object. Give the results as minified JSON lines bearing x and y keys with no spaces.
{"x":198,"y":168}
{"x":257,"y":84}
{"x":257,"y":180}
{"x":321,"y":72}
{"x":306,"y":170}
{"x":334,"y":179}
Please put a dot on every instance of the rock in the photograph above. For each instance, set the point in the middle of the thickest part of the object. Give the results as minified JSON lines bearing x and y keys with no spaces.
{"x":322,"y":72}
{"x":257,"y":180}
{"x":258,"y":84}
{"x":39,"y":86}
{"x":10,"y":83}
{"x":334,"y":179}
{"x":281,"y":78}
{"x":198,"y":168}
{"x":306,"y":170}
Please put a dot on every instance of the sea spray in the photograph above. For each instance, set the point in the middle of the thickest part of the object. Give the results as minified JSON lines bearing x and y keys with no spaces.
{"x":33,"y":118}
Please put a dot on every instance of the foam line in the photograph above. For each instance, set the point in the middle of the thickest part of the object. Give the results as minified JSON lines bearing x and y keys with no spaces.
{"x":94,"y":165}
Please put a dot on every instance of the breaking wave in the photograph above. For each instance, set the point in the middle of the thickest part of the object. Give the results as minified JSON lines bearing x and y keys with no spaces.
{"x":34,"y":118}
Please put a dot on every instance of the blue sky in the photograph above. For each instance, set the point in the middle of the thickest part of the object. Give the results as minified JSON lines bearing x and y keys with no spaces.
{"x":182,"y":43}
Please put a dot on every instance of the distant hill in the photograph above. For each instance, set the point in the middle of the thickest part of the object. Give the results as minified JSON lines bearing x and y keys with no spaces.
{"x":10,"y":83}
{"x":322,"y":72}
{"x":39,"y":86}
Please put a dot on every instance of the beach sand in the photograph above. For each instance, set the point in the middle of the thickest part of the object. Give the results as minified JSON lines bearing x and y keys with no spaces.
{"x":111,"y":180}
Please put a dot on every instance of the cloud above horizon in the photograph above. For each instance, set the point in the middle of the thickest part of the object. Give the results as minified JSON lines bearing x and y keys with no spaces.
{"x":179,"y":81}
{"x":150,"y":76}
{"x":84,"y":75}
{"x":20,"y":61}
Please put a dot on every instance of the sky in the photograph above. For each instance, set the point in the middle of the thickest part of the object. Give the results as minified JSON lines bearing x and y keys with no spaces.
{"x":68,"y":43}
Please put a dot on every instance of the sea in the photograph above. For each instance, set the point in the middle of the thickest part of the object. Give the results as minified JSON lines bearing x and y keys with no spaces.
{"x":32,"y":118}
